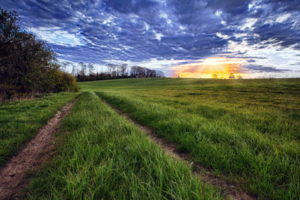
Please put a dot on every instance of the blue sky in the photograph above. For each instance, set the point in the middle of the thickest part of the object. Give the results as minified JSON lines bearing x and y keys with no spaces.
{"x":162,"y":34}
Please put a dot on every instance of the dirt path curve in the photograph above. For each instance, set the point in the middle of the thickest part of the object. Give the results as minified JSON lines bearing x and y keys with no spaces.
{"x":231,"y":191}
{"x":13,"y":177}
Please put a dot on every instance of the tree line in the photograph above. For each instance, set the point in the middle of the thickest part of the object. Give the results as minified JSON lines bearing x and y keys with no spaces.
{"x":27,"y":65}
{"x":87,"y":72}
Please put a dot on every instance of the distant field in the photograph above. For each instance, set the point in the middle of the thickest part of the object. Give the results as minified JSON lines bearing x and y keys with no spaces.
{"x":105,"y":157}
{"x":247,"y":130}
{"x":20,"y":120}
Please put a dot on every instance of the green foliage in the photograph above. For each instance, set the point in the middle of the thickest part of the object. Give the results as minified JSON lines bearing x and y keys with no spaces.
{"x":247,"y":130}
{"x":20,"y":120}
{"x":105,"y":157}
{"x":63,"y":81}
{"x":27,"y":64}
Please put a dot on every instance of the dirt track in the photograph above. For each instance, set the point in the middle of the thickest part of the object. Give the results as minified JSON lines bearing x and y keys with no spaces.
{"x":13,"y":176}
{"x":231,"y":191}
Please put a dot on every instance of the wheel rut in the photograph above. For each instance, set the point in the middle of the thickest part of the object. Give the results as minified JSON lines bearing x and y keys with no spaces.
{"x":230,"y":190}
{"x":14,"y":175}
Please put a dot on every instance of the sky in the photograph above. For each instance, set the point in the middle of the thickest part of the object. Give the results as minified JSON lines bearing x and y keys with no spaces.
{"x":187,"y":38}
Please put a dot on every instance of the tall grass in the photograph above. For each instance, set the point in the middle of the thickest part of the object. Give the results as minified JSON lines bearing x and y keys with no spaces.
{"x":247,"y":130}
{"x":20,"y":120}
{"x":105,"y":157}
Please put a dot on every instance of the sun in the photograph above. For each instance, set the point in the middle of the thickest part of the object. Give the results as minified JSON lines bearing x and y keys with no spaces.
{"x":214,"y":67}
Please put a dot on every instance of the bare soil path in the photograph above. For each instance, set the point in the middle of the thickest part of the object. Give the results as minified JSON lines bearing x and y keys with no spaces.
{"x":230,"y":190}
{"x":13,"y":176}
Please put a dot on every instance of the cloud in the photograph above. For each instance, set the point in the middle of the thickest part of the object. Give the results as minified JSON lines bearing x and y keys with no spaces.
{"x":223,"y":36}
{"x":129,"y":6}
{"x":142,"y":30}
{"x":158,"y":36}
{"x":283,"y":17}
{"x":54,"y":35}
{"x":265,"y":69}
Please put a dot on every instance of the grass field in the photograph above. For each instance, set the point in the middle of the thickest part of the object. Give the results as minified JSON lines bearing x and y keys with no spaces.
{"x":246,"y":130}
{"x":105,"y":157}
{"x":20,"y":120}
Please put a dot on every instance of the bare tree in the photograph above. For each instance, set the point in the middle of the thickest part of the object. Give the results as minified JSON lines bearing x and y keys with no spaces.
{"x":112,"y":69}
{"x":91,"y":68}
{"x":124,"y":68}
{"x":74,"y":70}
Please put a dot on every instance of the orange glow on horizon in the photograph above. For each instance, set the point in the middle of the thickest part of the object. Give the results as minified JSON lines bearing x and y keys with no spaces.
{"x":214,"y":67}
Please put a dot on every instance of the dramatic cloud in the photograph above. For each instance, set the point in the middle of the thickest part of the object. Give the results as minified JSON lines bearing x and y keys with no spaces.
{"x":162,"y":34}
{"x":57,"y":36}
{"x":264,"y":69}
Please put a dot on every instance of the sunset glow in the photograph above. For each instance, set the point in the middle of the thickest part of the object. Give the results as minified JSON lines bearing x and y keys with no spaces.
{"x":214,"y":67}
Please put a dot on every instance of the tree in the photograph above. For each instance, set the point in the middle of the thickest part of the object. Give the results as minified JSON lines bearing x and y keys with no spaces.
{"x":112,"y":69}
{"x":9,"y":25}
{"x":231,"y":76}
{"x":91,"y":68}
{"x":115,"y":71}
{"x":123,"y":69}
{"x":74,"y":70}
{"x":27,"y":65}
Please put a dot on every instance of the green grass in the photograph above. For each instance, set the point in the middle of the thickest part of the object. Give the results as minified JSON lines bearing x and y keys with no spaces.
{"x":20,"y":120}
{"x":105,"y":157}
{"x":247,"y":130}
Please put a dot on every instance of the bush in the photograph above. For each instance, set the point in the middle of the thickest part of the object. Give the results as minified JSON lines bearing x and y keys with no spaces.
{"x":65,"y":82}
